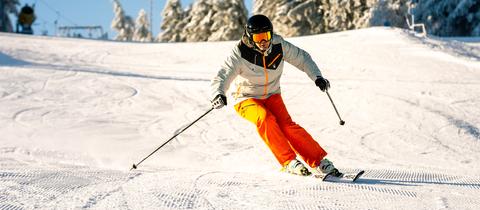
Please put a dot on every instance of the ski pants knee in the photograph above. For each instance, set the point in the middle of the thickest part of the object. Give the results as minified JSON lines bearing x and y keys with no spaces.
{"x":284,"y":137}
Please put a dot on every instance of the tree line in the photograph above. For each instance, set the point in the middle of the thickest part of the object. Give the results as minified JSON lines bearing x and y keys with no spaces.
{"x":214,"y":20}
{"x":220,"y":20}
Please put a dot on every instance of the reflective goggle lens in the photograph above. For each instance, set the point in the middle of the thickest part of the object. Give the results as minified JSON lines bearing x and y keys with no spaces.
{"x":262,"y":36}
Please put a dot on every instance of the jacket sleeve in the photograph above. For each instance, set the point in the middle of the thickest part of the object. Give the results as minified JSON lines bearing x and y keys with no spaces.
{"x":300,"y":59}
{"x":227,"y":73}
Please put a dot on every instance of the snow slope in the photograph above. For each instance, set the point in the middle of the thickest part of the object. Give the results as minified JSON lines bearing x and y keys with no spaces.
{"x":76,"y":114}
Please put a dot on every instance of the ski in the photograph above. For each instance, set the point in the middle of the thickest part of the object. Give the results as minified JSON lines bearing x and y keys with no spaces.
{"x":346,"y":177}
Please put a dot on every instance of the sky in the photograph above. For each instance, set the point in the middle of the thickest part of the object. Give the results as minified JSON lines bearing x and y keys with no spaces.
{"x":93,"y":13}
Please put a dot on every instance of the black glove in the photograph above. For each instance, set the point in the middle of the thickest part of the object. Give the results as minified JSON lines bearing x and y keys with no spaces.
{"x":322,"y":83}
{"x":219,"y":101}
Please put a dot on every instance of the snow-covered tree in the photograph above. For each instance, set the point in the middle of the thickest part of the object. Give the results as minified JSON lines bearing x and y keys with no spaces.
{"x":213,"y":20}
{"x":266,"y":7}
{"x":172,"y":22}
{"x":390,"y":13}
{"x":228,"y":20}
{"x":449,"y":17}
{"x":123,"y":24}
{"x":340,"y":15}
{"x":305,"y":17}
{"x":187,"y":17}
{"x":361,"y":11}
{"x":276,"y":11}
{"x":142,"y":28}
{"x":7,"y":7}
{"x":298,"y":18}
{"x":198,"y":29}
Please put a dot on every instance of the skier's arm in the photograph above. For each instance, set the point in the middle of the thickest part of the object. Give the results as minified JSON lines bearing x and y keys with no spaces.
{"x":300,"y":59}
{"x":227,"y":73}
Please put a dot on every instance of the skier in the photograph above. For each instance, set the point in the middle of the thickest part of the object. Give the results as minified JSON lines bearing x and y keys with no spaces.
{"x":256,"y":65}
{"x":26,"y":19}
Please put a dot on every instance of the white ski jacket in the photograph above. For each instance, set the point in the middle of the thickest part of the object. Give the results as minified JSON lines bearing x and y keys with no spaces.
{"x":258,"y":75}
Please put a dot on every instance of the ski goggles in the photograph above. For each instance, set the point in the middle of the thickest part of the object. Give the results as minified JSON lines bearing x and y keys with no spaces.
{"x":262,"y":36}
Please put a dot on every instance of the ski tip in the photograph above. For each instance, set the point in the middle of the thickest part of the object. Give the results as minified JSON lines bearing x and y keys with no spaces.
{"x":326,"y":176}
{"x":359,"y":174}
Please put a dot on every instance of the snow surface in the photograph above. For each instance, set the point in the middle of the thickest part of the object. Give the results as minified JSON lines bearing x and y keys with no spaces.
{"x":76,"y":114}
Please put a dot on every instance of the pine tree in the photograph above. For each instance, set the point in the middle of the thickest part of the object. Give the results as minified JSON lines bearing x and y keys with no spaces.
{"x":362,"y":12}
{"x":198,"y":29}
{"x":449,"y":17}
{"x":266,"y":7}
{"x":142,"y":28}
{"x":7,"y":7}
{"x":340,"y":15}
{"x":123,"y":24}
{"x":228,"y":20}
{"x":305,"y":17}
{"x":390,"y":13}
{"x":172,"y":25}
{"x":212,"y":20}
{"x":187,"y":17}
{"x":299,"y":18}
{"x":276,"y":11}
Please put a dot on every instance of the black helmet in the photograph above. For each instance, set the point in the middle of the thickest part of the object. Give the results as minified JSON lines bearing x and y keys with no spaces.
{"x":26,"y":9}
{"x":257,"y":24}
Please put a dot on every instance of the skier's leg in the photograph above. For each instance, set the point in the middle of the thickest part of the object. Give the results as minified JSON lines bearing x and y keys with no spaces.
{"x":301,"y":141}
{"x":254,"y":111}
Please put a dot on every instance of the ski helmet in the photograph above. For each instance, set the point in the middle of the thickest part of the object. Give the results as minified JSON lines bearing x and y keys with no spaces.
{"x":258,"y":24}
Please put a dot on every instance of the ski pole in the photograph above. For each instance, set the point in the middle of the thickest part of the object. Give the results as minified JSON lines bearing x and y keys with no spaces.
{"x":136,"y":165}
{"x":334,"y":107}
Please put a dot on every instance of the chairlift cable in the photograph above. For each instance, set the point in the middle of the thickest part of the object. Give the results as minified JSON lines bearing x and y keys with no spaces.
{"x":58,"y":13}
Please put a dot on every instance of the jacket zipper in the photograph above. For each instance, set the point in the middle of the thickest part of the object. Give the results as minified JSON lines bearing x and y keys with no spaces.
{"x":266,"y":77}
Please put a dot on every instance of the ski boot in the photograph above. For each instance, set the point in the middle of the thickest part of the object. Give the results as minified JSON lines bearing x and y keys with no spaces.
{"x":296,"y":167}
{"x":326,"y":167}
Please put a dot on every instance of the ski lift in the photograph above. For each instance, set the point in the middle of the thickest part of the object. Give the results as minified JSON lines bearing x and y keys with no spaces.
{"x":93,"y":32}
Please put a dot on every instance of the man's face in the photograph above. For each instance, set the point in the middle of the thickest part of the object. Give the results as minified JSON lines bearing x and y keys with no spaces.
{"x":263,"y":45}
{"x":262,"y":40}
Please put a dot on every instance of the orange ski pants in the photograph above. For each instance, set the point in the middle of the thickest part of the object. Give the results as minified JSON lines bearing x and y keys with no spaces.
{"x":284,"y":137}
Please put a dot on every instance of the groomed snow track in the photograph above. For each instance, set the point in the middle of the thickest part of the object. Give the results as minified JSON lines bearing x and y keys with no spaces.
{"x":26,"y":186}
